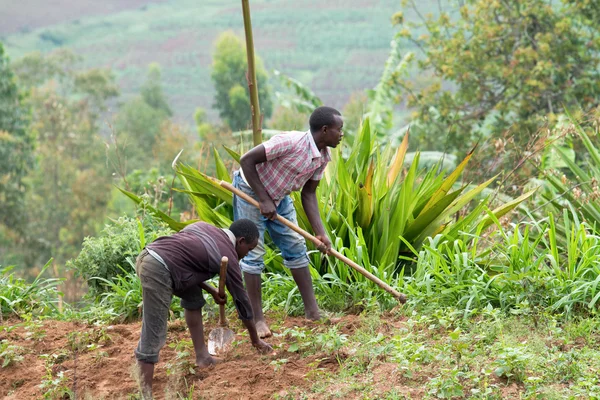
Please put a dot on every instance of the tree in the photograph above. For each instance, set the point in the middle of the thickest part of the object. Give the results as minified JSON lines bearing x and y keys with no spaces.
{"x":139,"y":120}
{"x":232,"y":99}
{"x":70,"y":187}
{"x":152,"y":91}
{"x":16,"y":147}
{"x":501,"y":65}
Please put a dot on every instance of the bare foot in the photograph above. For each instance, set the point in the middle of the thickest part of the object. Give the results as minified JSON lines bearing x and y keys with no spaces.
{"x":313,"y":315}
{"x":207,"y":361}
{"x":263,"y":329}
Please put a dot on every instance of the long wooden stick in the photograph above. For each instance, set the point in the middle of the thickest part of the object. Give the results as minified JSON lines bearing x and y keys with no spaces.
{"x":252,"y":84}
{"x":400,"y":296}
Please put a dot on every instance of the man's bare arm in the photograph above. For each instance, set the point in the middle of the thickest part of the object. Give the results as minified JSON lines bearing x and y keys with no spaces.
{"x":311,"y":208}
{"x":248,"y":163}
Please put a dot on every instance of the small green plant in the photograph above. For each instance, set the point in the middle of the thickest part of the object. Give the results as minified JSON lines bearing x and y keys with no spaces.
{"x":100,"y":356}
{"x":182,"y":364}
{"x":35,"y":330}
{"x":512,"y":363}
{"x":298,"y":337}
{"x":330,"y":341}
{"x":56,"y":387}
{"x":447,"y":385}
{"x":279,"y":363}
{"x":88,"y":340}
{"x":10,"y":354}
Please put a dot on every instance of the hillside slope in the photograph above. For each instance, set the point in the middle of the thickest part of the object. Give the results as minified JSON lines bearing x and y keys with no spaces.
{"x":335,"y":47}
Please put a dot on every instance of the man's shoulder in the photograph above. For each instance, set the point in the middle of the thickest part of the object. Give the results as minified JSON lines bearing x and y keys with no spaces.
{"x":288,"y":135}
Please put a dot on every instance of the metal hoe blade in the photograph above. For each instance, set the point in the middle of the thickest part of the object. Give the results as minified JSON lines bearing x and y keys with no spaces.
{"x":220,"y":340}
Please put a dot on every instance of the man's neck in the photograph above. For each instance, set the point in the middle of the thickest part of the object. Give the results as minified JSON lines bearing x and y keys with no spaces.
{"x":318,"y":140}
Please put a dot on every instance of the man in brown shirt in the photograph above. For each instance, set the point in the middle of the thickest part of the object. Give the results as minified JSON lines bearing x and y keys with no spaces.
{"x":179,"y":265}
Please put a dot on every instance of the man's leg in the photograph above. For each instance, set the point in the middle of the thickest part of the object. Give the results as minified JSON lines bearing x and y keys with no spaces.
{"x":156,"y":296}
{"x":293,"y":250}
{"x":304,"y":282}
{"x":253,"y":264}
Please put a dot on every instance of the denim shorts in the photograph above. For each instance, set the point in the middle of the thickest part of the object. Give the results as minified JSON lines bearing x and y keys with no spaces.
{"x":290,"y":243}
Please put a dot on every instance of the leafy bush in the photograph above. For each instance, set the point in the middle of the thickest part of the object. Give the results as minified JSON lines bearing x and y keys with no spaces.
{"x":19,"y":297}
{"x":106,"y":255}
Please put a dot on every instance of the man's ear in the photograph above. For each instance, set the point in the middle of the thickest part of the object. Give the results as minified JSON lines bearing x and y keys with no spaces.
{"x":241,"y":240}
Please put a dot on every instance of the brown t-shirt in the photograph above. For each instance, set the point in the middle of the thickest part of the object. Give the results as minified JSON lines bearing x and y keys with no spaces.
{"x":193,"y":256}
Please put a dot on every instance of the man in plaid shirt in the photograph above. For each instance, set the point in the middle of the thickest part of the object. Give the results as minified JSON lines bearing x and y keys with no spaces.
{"x":269,"y":173}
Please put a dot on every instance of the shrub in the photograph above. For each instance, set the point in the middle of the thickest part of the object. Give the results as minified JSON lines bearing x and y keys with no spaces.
{"x":106,"y":255}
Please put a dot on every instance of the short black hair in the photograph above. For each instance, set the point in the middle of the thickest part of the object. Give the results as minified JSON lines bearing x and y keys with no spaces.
{"x":322,"y":116}
{"x":245,"y":228}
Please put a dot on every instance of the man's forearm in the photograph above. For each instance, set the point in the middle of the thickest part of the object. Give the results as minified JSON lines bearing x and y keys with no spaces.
{"x":311,"y":208}
{"x":209,"y":289}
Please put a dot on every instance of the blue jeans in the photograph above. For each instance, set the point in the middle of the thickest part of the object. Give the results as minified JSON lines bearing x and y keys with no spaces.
{"x":291,"y":244}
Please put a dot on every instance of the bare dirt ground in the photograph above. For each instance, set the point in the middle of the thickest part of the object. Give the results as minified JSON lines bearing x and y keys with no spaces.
{"x":104,"y":368}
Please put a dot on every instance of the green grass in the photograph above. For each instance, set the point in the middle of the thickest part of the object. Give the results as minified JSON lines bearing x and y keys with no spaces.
{"x":335,"y":49}
{"x":439,"y":355}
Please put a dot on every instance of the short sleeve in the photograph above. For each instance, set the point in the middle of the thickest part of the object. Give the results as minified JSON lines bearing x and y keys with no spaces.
{"x":318,"y":174}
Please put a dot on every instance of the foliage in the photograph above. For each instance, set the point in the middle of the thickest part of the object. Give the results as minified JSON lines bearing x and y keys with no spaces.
{"x":20,"y":298}
{"x":374,"y":215}
{"x":523,"y":269}
{"x":500,"y":65}
{"x":301,"y":99}
{"x":354,"y":111}
{"x":229,"y":77}
{"x":16,"y":147}
{"x":114,"y":250}
{"x":152,"y":92}
{"x":69,"y":188}
{"x":286,"y":119}
{"x":10,"y":354}
{"x":579,"y":191}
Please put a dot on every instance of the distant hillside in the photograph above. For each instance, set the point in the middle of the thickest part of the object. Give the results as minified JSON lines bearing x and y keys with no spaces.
{"x":334,"y":46}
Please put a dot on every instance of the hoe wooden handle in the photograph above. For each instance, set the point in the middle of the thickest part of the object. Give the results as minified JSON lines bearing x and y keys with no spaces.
{"x":222,"y":276}
{"x":400,"y":296}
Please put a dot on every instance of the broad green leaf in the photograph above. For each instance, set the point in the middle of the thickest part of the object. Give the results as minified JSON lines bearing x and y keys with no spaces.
{"x":175,"y":225}
{"x":222,"y":172}
{"x":448,"y":182}
{"x":235,"y":155}
{"x":427,"y":217}
{"x":398,"y":162}
{"x":506,"y":208}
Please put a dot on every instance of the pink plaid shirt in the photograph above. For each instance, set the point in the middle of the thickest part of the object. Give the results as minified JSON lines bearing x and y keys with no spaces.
{"x":292,"y":160}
